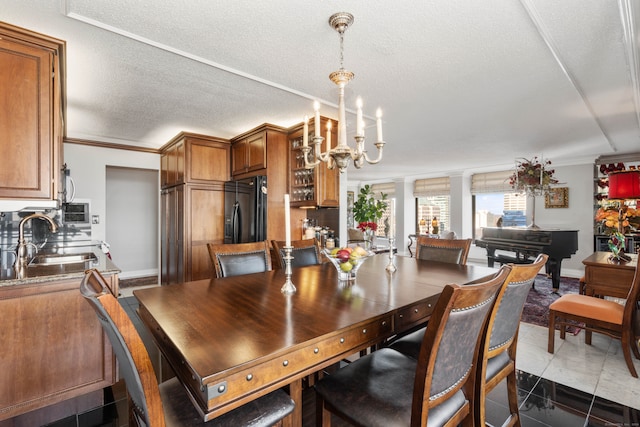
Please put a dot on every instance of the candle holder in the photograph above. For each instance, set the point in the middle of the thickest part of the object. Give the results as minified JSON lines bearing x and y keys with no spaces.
{"x":288,"y":288}
{"x":391,"y":267}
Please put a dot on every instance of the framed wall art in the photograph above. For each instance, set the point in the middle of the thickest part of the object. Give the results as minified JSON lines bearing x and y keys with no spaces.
{"x":557,"y":198}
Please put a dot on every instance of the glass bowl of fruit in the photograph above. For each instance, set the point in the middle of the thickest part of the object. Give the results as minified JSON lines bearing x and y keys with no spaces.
{"x":347,"y":261}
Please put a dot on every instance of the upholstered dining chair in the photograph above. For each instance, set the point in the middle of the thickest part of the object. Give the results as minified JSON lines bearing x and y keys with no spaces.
{"x":497,"y":355}
{"x":602,"y":316}
{"x":234,"y":259}
{"x":166,"y":404}
{"x":454,"y":251}
{"x":388,"y":388}
{"x":304,"y":252}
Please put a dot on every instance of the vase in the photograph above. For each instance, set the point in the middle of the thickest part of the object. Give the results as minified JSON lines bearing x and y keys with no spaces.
{"x":369,"y":239}
{"x":533,"y":225}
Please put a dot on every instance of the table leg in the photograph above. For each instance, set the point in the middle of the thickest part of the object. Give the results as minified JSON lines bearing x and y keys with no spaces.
{"x":295,"y":391}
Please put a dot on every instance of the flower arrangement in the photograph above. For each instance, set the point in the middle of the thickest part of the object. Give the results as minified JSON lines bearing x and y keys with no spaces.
{"x":609,"y":217}
{"x":532,"y":176}
{"x":366,"y":225}
{"x":367,"y":210}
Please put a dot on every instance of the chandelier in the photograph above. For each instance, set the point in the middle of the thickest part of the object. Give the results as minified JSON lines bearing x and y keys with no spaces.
{"x":341,"y":154}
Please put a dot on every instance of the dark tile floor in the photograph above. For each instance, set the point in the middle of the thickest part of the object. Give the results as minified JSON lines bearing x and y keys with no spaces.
{"x":542,"y":402}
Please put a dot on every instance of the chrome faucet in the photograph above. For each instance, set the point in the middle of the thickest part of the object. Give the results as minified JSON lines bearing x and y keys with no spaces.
{"x":21,"y":252}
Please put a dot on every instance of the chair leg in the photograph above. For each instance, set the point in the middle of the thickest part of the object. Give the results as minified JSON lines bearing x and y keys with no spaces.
{"x":512,"y":394}
{"x":587,"y":336}
{"x":552,"y":331}
{"x":323,"y":417}
{"x":626,"y":350}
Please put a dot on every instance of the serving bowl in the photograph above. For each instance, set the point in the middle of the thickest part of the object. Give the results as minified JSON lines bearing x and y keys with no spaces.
{"x":347,"y":261}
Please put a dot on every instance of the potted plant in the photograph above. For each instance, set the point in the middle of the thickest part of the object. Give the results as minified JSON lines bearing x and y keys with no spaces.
{"x":367,"y":211}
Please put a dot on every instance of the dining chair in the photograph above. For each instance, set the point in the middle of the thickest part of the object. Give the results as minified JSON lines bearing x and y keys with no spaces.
{"x":497,"y":355}
{"x":304,"y":252}
{"x":234,"y":259}
{"x":166,"y":404}
{"x":388,"y":388}
{"x":454,"y":251}
{"x":599,"y":315}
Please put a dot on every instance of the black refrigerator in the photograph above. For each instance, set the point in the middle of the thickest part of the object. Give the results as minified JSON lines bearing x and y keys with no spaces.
{"x":245,"y":210}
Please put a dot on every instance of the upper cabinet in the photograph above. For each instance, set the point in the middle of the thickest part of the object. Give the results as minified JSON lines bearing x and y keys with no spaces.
{"x":32,"y":84}
{"x":317,"y":187}
{"x":249,"y":153}
{"x":193,"y":158}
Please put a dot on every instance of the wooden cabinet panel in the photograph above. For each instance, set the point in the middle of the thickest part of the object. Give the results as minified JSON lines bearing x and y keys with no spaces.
{"x":172,"y":235}
{"x":249,"y":153}
{"x":193,"y":158}
{"x":209,"y":163}
{"x":53,"y":347}
{"x":205,"y":207}
{"x":31,"y":127}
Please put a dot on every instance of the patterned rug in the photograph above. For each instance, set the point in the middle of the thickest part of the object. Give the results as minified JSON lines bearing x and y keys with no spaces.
{"x":541,"y":295}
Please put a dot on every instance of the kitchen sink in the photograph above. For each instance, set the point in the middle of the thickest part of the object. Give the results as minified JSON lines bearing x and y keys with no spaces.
{"x":53,"y":259}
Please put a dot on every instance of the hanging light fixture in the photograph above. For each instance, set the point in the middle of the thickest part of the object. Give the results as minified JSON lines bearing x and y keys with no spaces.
{"x":341,"y":154}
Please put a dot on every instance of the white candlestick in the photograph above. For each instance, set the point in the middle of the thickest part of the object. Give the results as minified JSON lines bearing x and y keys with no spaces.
{"x":316,"y":108}
{"x":392,"y":219}
{"x":287,"y":221}
{"x":328,"y":135}
{"x":379,"y":124}
{"x":359,"y":122}
{"x":305,"y":132}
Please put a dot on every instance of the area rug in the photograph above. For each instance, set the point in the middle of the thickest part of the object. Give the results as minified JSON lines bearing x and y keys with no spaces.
{"x":541,"y":295}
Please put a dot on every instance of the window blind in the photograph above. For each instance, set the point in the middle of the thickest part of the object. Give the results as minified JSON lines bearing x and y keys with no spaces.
{"x":491,"y":182}
{"x":388,"y":188}
{"x":432,"y":187}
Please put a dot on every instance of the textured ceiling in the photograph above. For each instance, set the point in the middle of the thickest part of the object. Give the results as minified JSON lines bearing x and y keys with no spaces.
{"x":464,"y":85}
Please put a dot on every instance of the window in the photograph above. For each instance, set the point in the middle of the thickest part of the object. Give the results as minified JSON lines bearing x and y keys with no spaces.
{"x":493,"y":198}
{"x":384,"y":223}
{"x":432,"y":201}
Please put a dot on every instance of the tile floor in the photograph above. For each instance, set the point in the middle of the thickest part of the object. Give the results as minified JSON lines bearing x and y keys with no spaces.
{"x":578,"y":385}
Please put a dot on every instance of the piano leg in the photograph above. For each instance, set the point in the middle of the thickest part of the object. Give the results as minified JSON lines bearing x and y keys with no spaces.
{"x":553,"y":267}
{"x":491,"y":254}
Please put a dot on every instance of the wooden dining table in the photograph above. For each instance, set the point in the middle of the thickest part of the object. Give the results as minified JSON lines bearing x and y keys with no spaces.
{"x":231,"y":340}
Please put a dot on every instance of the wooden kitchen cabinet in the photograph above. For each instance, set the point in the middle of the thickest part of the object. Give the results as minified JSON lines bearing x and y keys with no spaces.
{"x":192,"y":216}
{"x":193,"y":171}
{"x":32,"y":83}
{"x":53,"y":346}
{"x":317,"y":187}
{"x":193,"y":158}
{"x":249,"y":152}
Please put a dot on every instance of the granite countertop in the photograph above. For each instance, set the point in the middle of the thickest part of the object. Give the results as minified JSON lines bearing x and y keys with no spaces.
{"x":54,"y":272}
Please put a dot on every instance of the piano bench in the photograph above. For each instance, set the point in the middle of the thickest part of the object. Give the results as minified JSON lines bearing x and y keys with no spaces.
{"x":505,"y":259}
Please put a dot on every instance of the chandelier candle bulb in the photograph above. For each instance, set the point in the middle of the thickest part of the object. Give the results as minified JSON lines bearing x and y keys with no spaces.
{"x":379,"y":124}
{"x":316,"y":108}
{"x":305,"y":132}
{"x":328,"y":135}
{"x":287,"y":221}
{"x":359,"y":121}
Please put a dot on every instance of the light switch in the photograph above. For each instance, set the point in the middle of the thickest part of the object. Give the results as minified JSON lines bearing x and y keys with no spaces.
{"x":95,"y":219}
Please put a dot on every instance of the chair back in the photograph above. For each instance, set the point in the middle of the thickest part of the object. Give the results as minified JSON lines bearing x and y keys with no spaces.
{"x":304,"y":252}
{"x":630,"y":317}
{"x":497,"y":355}
{"x":504,"y":319}
{"x":240,"y":258}
{"x":446,"y":362}
{"x":454,"y":251}
{"x":134,"y":362}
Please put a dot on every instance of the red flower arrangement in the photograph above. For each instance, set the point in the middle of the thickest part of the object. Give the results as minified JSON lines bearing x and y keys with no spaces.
{"x":533,"y":176}
{"x":364,"y":226}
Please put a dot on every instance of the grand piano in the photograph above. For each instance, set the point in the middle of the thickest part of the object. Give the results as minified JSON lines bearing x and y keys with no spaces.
{"x":526,"y":244}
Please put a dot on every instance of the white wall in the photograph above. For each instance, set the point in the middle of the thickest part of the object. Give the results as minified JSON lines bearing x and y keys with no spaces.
{"x":88,"y":166}
{"x":132,"y":226}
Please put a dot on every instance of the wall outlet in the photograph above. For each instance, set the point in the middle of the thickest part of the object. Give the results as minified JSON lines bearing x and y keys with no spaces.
{"x":95,"y":219}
